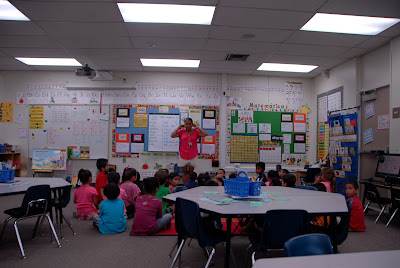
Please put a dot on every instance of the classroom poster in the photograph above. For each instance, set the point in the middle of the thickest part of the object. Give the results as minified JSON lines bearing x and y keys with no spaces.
{"x":36,"y":120}
{"x":6,"y":112}
{"x":140,"y":120}
{"x":369,"y":110}
{"x":245,"y":116}
{"x":49,"y":159}
{"x":383,"y":121}
{"x":195,"y":114}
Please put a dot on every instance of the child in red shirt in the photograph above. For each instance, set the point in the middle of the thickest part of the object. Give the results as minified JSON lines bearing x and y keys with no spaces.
{"x":357,"y":222}
{"x":101,"y":179}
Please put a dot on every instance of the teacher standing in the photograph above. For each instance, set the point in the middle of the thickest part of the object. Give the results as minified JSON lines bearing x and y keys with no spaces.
{"x":188,"y":134}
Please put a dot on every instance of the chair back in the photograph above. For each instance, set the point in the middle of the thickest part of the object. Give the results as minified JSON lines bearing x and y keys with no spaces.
{"x":305,"y":187}
{"x":178,"y":169}
{"x":281,"y":225}
{"x":278,"y":168}
{"x":180,"y":188}
{"x":311,"y":172}
{"x":68,"y":179}
{"x":371,"y":193}
{"x":306,"y":166}
{"x":395,"y":194}
{"x":308,"y":244}
{"x":344,"y":224}
{"x":65,"y":196}
{"x":36,"y":199}
{"x":179,"y":227}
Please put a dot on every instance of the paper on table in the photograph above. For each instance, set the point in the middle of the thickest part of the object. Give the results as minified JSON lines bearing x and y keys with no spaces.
{"x":122,"y":147}
{"x":137,"y":148}
{"x":256,"y":204}
{"x":299,"y":148}
{"x":286,"y":126}
{"x":264,"y":127}
{"x":252,"y":128}
{"x":264,"y":137}
{"x":287,"y":138}
{"x":299,"y":127}
{"x":210,"y":192}
{"x":239,"y":128}
{"x":208,"y":123}
{"x":122,"y":121}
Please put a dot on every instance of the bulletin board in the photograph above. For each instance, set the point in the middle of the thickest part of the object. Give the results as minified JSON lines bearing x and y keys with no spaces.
{"x":282,"y":131}
{"x":140,"y":129}
{"x":60,"y":126}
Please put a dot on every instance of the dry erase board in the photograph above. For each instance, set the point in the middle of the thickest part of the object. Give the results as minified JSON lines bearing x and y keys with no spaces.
{"x":62,"y":126}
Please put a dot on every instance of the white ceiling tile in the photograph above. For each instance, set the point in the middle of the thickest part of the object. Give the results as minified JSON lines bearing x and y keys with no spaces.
{"x":381,"y":8}
{"x":119,"y":67}
{"x":235,"y":65}
{"x":70,"y":11}
{"x":304,"y":5}
{"x":3,"y":53}
{"x":169,"y":43}
{"x":220,"y":56}
{"x":167,"y":30}
{"x":326,"y":39}
{"x":55,"y":68}
{"x":37,"y":41}
{"x":107,"y":61}
{"x":261,"y":18}
{"x":310,"y":50}
{"x":224,"y":71}
{"x":241,"y":47}
{"x":95,"y":42}
{"x":37,"y":52}
{"x":14,"y":67}
{"x":392,"y":31}
{"x":374,"y":42}
{"x":169,"y":53}
{"x":103,"y":53}
{"x":239,"y":33}
{"x":20,"y":28}
{"x":300,"y":59}
{"x":83,"y":29}
{"x":353,"y":52}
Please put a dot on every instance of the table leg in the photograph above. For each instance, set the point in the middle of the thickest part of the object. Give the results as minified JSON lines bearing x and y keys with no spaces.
{"x":228,"y":241}
{"x":60,"y":212}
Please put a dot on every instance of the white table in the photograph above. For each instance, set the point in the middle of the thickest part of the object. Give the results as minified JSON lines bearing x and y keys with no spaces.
{"x":373,"y":259}
{"x":314,"y":202}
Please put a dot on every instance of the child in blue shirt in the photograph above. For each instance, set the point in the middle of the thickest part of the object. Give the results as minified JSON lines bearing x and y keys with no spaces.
{"x":260,"y":168}
{"x":111,"y":219}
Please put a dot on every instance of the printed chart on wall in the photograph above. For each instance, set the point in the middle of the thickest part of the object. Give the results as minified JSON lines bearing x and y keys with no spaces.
{"x":343,"y":148}
{"x":6,"y":112}
{"x":83,"y":130}
{"x":139,"y":129}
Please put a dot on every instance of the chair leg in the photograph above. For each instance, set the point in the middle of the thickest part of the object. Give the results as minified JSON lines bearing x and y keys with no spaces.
{"x":19,"y":239}
{"x":190,"y":242}
{"x":69,"y":225}
{"x":394,"y":213}
{"x":246,"y":254}
{"x":210,"y":258}
{"x":253,"y":258}
{"x":4,"y":226}
{"x":53,"y":230}
{"x":178,"y":253}
{"x":366,"y":206}
{"x":380,"y":214}
{"x":172,"y":250}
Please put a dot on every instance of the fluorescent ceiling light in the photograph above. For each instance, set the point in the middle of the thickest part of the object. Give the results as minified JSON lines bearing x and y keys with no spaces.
{"x":170,"y":63}
{"x":157,"y":13}
{"x":348,"y":24}
{"x":281,"y":67}
{"x":9,"y":12}
{"x":50,"y":61}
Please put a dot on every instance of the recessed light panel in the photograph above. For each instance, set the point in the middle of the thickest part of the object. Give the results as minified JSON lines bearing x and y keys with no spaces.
{"x":281,"y":67}
{"x":160,"y":13}
{"x":9,"y":12}
{"x":50,"y":61}
{"x":348,"y":24}
{"x":170,"y":63}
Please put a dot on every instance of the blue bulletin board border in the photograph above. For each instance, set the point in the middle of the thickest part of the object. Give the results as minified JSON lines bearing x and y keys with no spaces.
{"x":154,"y":109}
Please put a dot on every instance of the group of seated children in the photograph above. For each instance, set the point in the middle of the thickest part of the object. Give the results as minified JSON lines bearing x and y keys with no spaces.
{"x":110,"y":204}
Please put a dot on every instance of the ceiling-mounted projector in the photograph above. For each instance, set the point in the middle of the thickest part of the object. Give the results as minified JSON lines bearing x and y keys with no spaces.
{"x":85,"y":71}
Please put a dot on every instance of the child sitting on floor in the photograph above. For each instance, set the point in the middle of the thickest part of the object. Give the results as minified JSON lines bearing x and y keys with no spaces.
{"x":85,"y":197}
{"x":131,"y":189}
{"x":327,"y":178}
{"x":271,"y":175}
{"x":220,"y":177}
{"x":101,"y":179}
{"x":149,"y":218}
{"x":111,"y":219}
{"x":191,"y":183}
{"x":161,"y":176}
{"x":289,"y":180}
{"x":357,"y":222}
{"x":260,"y":168}
{"x":275,"y":182}
{"x":173,"y":181}
{"x":283,"y":172}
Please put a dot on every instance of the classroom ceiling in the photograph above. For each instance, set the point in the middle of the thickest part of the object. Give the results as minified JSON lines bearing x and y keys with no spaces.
{"x":93,"y":32}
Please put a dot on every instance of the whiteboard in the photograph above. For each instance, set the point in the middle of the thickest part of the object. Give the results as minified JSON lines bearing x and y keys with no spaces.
{"x":160,"y":129}
{"x":72,"y":126}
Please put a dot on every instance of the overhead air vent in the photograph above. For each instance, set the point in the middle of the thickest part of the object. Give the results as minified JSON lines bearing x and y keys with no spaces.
{"x":237,"y":57}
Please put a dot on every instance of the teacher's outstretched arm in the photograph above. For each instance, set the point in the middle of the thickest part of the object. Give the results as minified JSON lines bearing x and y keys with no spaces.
{"x":174,"y":133}
{"x":202,"y":133}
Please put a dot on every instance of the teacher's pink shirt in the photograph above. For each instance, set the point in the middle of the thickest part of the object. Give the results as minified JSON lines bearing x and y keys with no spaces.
{"x":185,"y":151}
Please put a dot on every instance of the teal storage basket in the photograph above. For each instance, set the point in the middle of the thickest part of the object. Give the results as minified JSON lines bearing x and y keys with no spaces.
{"x":7,"y":175}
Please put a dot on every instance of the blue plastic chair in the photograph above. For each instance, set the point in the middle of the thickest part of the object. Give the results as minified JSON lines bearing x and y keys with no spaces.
{"x":344,"y":224}
{"x":305,"y":187}
{"x":306,"y":166}
{"x":280,"y":226}
{"x":63,"y":202}
{"x":178,"y":170}
{"x":308,"y":244}
{"x":33,"y":205}
{"x":188,"y":214}
{"x":182,"y":234}
{"x":180,"y":188}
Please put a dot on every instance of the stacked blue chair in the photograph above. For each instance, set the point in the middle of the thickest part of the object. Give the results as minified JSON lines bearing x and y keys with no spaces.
{"x":308,"y":244}
{"x":306,"y":187}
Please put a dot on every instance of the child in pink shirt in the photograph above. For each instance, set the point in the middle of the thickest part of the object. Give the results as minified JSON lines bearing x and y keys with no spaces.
{"x":85,"y":197}
{"x":327,"y":178}
{"x":173,"y":181}
{"x":148,"y":217}
{"x":132,"y":190}
{"x":114,"y":177}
